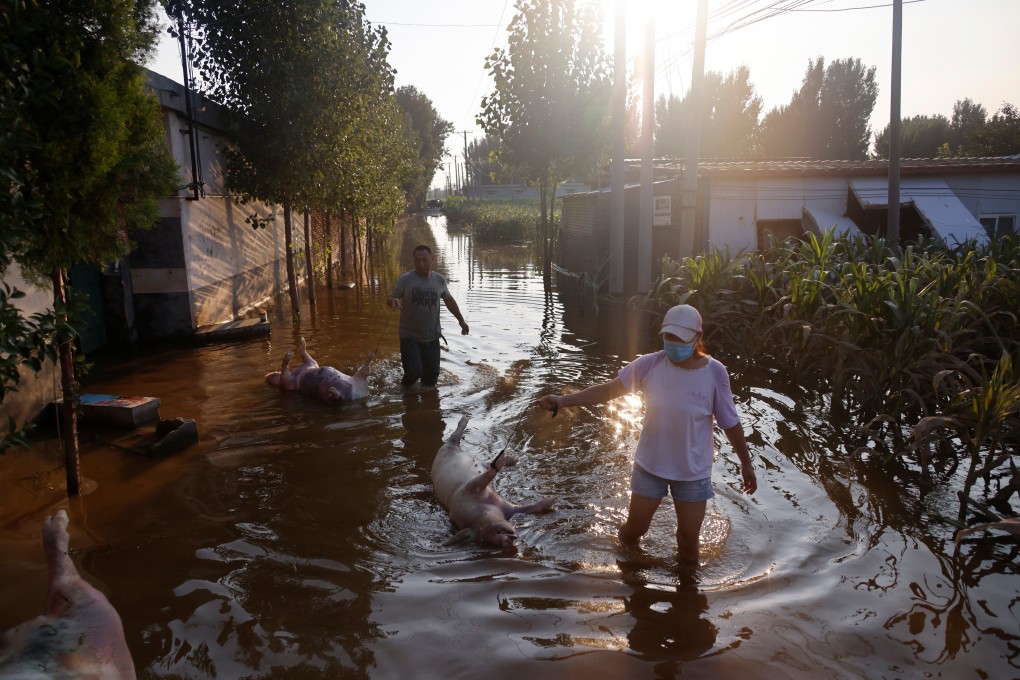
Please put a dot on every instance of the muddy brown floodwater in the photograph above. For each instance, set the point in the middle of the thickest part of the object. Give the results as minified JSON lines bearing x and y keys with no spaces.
{"x":298,"y":540}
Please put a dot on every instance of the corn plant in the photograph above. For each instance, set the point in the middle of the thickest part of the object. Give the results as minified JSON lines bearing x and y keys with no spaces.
{"x":889,"y":337}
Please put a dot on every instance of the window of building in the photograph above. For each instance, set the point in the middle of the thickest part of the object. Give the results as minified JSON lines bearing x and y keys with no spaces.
{"x":998,"y":226}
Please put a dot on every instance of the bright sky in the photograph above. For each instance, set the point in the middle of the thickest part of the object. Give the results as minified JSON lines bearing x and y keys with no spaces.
{"x":952,"y":49}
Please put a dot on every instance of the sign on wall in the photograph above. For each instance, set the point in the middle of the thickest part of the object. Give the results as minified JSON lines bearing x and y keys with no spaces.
{"x":662,"y":213}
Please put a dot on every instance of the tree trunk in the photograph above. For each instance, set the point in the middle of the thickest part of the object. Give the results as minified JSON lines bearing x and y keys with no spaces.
{"x":547,"y":265}
{"x":68,"y":415}
{"x":328,"y":243}
{"x":310,"y":274}
{"x":552,"y":220}
{"x":356,"y":245}
{"x":343,"y":242}
{"x":288,"y":236}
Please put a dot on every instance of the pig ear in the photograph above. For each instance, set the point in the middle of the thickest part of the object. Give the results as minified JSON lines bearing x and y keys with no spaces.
{"x":462,"y":536}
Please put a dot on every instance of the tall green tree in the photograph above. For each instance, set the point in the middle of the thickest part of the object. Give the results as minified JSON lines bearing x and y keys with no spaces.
{"x":729,"y":127}
{"x":828,"y":117}
{"x":969,"y":119}
{"x":920,"y":137}
{"x":311,"y":86}
{"x":1001,"y":135}
{"x":84,"y":159}
{"x":429,"y":132}
{"x":550,"y":106}
{"x":970,"y":132}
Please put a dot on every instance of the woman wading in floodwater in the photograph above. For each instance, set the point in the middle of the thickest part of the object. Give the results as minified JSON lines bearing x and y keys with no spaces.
{"x":685,"y":389}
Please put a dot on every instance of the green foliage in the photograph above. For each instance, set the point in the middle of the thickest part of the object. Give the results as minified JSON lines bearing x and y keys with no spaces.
{"x":496,"y":221}
{"x":730,"y":124}
{"x":914,"y":341}
{"x":828,"y":117}
{"x":1001,"y":135}
{"x":920,"y":137}
{"x":970,"y":133}
{"x":89,"y":152}
{"x":318,"y":123}
{"x":550,"y":107}
{"x":81,"y":150}
{"x":483,"y":157}
{"x":427,"y":131}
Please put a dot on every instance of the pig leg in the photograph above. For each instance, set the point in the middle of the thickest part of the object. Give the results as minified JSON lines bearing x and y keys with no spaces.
{"x":477,"y":484}
{"x":309,"y":362}
{"x":509,"y":509}
{"x":366,"y":368}
{"x":286,"y":380}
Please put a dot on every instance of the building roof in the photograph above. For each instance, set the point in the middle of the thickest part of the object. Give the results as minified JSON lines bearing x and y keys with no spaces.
{"x":935,"y":202}
{"x":816,"y":168}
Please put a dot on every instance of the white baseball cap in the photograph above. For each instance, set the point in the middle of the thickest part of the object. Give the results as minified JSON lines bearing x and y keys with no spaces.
{"x":682,"y":321}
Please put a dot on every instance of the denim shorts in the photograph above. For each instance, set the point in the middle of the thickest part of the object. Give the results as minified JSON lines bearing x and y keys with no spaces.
{"x":644,"y":483}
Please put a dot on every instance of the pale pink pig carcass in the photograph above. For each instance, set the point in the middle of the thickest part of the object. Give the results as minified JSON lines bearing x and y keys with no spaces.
{"x":464,"y":487}
{"x":324,"y":382}
{"x":79,"y":634}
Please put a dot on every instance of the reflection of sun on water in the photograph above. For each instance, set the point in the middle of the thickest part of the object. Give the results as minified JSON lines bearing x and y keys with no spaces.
{"x":627,"y":413}
{"x":714,"y":532}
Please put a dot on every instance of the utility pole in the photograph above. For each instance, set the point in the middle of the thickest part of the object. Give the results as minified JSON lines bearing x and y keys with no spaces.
{"x":618,"y":178}
{"x":689,"y":196}
{"x":467,"y":172}
{"x":892,"y":230}
{"x":645,"y":212}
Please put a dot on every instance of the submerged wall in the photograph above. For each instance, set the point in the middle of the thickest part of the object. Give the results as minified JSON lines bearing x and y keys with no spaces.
{"x":203,"y":263}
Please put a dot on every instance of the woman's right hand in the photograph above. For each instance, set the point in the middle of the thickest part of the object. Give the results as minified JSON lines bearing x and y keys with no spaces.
{"x":550,"y":402}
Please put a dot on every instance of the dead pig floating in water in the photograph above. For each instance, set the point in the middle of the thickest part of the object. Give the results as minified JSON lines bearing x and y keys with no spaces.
{"x":79,"y":635}
{"x":325,"y":382}
{"x":464,"y":487}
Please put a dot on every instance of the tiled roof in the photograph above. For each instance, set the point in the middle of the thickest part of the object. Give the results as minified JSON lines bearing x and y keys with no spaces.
{"x":802,"y":167}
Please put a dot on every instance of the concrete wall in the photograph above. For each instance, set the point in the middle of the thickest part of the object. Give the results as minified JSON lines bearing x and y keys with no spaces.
{"x":203,"y":264}
{"x":584,"y":233}
{"x":736,"y":205}
{"x":987,"y":194}
{"x":35,"y":390}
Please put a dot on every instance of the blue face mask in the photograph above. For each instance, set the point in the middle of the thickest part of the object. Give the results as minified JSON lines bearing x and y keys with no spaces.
{"x":678,"y":351}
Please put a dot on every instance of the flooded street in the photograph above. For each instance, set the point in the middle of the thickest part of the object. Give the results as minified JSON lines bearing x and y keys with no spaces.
{"x":301,"y":540}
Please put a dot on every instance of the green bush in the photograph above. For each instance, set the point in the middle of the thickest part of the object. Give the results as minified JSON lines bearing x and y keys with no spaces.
{"x":913,"y":344}
{"x":494,"y":220}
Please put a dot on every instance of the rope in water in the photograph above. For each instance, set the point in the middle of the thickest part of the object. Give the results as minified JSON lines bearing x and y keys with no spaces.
{"x":555,"y":410}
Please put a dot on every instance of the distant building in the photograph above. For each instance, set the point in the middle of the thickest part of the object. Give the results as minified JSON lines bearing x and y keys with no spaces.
{"x":741,"y":203}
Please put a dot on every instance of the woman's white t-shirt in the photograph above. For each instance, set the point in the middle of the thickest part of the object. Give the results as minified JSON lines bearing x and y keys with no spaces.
{"x":676,"y":440}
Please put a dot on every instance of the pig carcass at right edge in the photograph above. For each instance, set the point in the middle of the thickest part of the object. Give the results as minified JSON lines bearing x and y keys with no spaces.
{"x":79,"y":634}
{"x":464,"y":487}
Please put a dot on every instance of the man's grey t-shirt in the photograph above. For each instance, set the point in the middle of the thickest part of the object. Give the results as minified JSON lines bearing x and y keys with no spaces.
{"x":419,"y":316}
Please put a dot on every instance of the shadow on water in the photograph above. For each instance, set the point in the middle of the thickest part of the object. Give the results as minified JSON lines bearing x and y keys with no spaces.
{"x":301,"y":540}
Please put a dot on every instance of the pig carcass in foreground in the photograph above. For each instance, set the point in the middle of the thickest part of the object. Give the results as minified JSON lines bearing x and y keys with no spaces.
{"x":464,"y":487}
{"x":79,"y":635}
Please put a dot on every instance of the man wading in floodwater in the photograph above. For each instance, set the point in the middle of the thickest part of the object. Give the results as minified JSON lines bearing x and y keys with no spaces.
{"x":416,"y":294}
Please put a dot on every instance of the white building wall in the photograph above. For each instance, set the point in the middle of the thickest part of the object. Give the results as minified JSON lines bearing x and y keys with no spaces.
{"x":987,"y":194}
{"x":736,"y":205}
{"x":217,"y":267}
